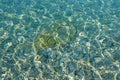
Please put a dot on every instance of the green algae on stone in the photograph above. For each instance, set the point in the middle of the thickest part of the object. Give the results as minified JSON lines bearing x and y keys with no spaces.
{"x":58,"y":34}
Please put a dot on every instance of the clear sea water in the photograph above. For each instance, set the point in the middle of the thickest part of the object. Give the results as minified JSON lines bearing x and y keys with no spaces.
{"x":59,"y":39}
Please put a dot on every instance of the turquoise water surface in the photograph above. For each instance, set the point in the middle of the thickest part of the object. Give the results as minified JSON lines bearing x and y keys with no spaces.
{"x":59,"y":40}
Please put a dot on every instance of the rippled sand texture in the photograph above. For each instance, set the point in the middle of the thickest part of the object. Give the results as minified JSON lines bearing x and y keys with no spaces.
{"x":59,"y":39}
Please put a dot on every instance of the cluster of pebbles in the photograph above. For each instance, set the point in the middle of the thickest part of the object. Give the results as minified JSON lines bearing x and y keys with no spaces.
{"x":59,"y":40}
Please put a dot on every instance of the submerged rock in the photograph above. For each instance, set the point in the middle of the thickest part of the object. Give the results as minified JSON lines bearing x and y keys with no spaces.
{"x":58,"y":34}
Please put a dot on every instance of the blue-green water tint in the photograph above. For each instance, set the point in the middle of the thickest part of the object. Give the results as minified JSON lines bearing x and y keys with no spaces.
{"x":86,"y":34}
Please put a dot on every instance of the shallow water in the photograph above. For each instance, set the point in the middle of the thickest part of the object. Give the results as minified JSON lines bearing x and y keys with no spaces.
{"x":60,"y":40}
